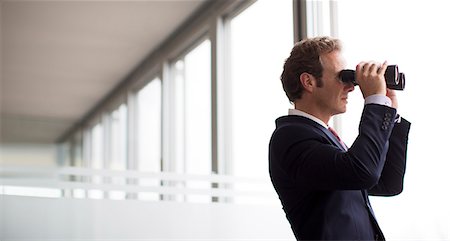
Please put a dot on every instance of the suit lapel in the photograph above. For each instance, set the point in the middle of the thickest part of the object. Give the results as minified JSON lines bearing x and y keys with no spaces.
{"x":328,"y":135}
{"x":333,"y":138}
{"x":321,"y":129}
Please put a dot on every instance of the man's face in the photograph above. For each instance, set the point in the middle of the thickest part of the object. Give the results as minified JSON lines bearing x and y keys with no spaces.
{"x":332,"y":96}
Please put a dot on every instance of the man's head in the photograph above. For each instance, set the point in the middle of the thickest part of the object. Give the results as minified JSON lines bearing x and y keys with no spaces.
{"x":305,"y":58}
{"x":311,"y":78}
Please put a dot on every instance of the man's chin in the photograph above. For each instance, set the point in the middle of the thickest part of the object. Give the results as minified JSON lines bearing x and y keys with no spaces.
{"x":341,"y":111}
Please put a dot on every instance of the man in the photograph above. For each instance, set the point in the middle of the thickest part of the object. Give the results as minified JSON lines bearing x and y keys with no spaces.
{"x":324,"y":185}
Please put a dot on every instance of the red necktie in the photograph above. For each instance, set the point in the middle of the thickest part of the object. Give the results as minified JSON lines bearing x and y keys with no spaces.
{"x":337,"y":137}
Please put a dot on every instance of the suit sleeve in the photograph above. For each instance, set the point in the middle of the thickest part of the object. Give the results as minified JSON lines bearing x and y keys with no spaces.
{"x":391,"y":180}
{"x":311,"y":162}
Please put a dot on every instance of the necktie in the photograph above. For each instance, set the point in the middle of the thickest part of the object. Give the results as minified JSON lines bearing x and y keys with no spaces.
{"x":337,"y":137}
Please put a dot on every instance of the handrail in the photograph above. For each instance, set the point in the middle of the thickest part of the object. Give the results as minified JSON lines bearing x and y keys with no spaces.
{"x":77,"y":178}
{"x":55,"y":171}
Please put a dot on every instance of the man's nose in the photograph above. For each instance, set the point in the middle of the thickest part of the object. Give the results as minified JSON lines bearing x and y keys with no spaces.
{"x":349,"y":87}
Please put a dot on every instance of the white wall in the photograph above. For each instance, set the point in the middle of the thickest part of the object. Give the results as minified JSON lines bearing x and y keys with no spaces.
{"x":31,"y":218}
{"x":28,"y":154}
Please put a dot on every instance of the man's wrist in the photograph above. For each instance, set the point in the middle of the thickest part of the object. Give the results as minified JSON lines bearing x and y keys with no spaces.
{"x":382,"y":100}
{"x":378,"y":99}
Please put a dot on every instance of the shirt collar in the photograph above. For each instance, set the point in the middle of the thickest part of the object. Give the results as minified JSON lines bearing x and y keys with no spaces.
{"x":309,"y":116}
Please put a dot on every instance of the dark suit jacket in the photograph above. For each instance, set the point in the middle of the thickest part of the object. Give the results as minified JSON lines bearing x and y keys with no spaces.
{"x":323,"y":188}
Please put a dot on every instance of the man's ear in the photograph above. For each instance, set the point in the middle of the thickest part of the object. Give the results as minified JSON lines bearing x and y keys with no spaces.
{"x":307,"y":81}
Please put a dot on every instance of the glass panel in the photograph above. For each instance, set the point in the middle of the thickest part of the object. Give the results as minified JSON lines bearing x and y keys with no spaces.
{"x":77,"y":150}
{"x":259,"y":46}
{"x":77,"y":161}
{"x":85,"y":163}
{"x":118,"y":138}
{"x":118,"y":149}
{"x":412,"y":35}
{"x":149,"y":134}
{"x":198,"y":109}
{"x":193,"y":116}
{"x":96,"y":158}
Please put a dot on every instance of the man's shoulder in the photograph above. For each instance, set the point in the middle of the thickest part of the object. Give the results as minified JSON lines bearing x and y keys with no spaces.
{"x":298,"y":126}
{"x":294,"y":120}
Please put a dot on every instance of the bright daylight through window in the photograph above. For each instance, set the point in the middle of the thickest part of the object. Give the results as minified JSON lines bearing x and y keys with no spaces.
{"x":411,"y":34}
{"x":259,"y":46}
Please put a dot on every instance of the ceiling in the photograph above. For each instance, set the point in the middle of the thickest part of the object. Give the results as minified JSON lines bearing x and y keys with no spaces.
{"x":59,"y":59}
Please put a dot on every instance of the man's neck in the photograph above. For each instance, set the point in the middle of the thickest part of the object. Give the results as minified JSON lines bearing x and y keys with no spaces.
{"x":311,"y":117}
{"x":312,"y":110}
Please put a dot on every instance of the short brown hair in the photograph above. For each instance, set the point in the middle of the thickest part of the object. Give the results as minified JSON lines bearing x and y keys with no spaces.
{"x":305,"y":57}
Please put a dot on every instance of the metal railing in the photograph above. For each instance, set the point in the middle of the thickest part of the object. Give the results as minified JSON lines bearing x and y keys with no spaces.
{"x":75,"y":182}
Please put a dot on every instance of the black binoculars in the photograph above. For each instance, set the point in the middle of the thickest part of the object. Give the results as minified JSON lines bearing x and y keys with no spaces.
{"x":394,"y":79}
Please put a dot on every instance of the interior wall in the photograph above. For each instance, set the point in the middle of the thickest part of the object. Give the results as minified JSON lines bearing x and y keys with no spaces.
{"x":31,"y":218}
{"x":26,"y":154}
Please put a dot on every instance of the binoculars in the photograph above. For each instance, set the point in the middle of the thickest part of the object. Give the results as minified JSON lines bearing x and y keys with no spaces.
{"x":394,"y":79}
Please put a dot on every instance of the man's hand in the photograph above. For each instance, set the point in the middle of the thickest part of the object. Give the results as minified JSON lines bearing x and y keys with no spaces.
{"x":370,"y":78}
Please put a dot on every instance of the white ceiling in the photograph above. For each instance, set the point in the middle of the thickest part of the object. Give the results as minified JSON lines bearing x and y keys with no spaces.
{"x":60,"y":58}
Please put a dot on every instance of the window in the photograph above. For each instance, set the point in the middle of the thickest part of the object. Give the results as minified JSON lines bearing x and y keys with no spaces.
{"x":77,"y":161}
{"x":118,"y":147}
{"x":148,"y":124}
{"x":118,"y":138}
{"x":192,"y":115}
{"x":393,"y":31}
{"x":96,"y":157}
{"x":260,"y":40}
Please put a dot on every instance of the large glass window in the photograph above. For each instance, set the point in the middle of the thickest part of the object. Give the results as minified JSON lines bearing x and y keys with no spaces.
{"x":118,"y":138}
{"x":148,"y":135}
{"x":77,"y":161}
{"x":96,"y":157}
{"x":261,"y":38}
{"x":411,"y":34}
{"x":118,"y":147}
{"x":192,"y":116}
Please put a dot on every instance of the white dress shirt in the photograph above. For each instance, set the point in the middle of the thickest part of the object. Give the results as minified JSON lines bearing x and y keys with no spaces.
{"x":373,"y":99}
